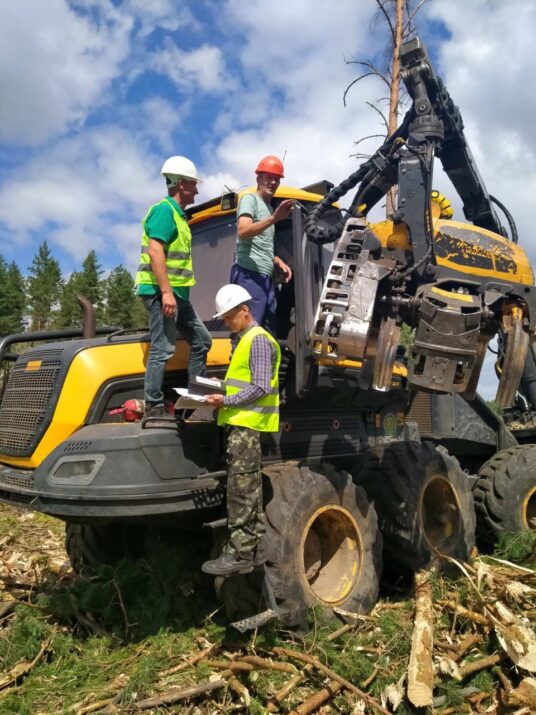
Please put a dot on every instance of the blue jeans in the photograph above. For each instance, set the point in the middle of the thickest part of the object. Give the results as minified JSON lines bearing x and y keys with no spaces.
{"x":163,"y":332}
{"x":261,"y":289}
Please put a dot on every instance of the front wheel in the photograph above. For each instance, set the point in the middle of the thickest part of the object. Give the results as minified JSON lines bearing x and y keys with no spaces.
{"x":322,"y":546}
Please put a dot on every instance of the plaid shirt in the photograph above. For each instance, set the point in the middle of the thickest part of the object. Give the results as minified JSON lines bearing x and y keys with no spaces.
{"x":261,"y":363}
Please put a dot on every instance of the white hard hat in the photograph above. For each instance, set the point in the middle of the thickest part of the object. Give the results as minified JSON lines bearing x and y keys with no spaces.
{"x":229,"y":297}
{"x":181,"y":168}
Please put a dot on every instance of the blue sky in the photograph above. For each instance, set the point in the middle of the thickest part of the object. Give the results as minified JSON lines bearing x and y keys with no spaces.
{"x":97,"y":93}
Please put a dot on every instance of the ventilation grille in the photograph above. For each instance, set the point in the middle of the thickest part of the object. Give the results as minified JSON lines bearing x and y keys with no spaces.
{"x":76,"y":447}
{"x":27,"y":401}
{"x":23,"y":480}
{"x":421,"y":412}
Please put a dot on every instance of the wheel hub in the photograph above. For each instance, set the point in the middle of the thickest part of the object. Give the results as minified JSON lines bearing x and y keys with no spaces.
{"x":331,"y":554}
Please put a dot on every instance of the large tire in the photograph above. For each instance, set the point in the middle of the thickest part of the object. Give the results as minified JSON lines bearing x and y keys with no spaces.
{"x":322,"y":546}
{"x":424,"y":504}
{"x":505,"y":493}
{"x":91,"y":546}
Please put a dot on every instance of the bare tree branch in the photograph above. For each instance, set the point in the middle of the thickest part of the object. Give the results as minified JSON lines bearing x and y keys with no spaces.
{"x":373,"y":69}
{"x":382,"y":115}
{"x":379,"y":3}
{"x":369,"y":136}
{"x":407,"y":25}
{"x":355,"y":81}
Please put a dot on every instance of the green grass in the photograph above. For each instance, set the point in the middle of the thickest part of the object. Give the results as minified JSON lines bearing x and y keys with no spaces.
{"x":519,"y":547}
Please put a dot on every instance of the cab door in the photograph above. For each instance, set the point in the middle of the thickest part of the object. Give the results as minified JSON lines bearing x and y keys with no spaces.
{"x":308,"y":281}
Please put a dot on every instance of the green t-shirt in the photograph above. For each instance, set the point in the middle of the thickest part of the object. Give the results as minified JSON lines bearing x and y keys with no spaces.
{"x":160,"y":225}
{"x":257,"y":253}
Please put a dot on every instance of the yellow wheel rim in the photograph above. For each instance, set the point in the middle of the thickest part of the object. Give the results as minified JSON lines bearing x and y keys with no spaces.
{"x":440,"y":514}
{"x":331,"y":554}
{"x":529,"y":510}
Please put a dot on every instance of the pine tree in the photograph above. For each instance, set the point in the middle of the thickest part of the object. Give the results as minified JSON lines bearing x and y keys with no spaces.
{"x":4,"y":309}
{"x":120,"y":298}
{"x":89,"y":281}
{"x":70,"y":313}
{"x":44,"y":287}
{"x":85,"y":283}
{"x":141,"y":316}
{"x":14,"y":290}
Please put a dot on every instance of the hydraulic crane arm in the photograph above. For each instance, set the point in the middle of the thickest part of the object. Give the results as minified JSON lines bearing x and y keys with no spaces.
{"x":427,"y":90}
{"x":433,"y":123}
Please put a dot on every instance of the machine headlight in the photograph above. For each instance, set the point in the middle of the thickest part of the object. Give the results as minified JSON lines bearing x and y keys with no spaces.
{"x":74,"y":470}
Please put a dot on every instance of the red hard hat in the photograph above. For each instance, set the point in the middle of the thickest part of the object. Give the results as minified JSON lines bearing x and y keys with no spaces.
{"x":271,"y":165}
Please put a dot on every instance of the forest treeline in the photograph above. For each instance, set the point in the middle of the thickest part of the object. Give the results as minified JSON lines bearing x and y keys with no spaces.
{"x":45,"y":299}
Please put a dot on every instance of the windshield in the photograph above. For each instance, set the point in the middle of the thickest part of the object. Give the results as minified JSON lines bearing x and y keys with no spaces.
{"x":213,"y":249}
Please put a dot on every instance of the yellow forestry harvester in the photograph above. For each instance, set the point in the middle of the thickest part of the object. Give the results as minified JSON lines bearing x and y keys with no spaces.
{"x":377,"y":444}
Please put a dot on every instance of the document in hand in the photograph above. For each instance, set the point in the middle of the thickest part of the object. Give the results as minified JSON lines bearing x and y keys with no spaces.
{"x":205,"y":385}
{"x":187,"y":400}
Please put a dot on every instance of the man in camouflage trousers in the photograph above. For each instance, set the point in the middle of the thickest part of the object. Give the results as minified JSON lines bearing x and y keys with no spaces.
{"x":250,"y":406}
{"x":244,"y":490}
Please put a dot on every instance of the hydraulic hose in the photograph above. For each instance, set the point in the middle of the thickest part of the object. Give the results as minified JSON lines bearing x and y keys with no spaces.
{"x":319,"y":231}
{"x":509,"y":218}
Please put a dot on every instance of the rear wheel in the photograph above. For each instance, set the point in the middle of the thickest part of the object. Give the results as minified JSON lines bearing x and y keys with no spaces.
{"x":322,"y":546}
{"x":505,"y":494}
{"x":424,"y":503}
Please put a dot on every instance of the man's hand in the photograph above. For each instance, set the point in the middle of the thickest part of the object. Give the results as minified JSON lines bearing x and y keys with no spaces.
{"x":169,"y":304}
{"x":216,"y":400}
{"x":286,"y":270}
{"x":283,"y":210}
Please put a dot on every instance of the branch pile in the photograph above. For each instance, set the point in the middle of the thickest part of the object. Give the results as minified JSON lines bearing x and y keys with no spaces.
{"x":456,"y":646}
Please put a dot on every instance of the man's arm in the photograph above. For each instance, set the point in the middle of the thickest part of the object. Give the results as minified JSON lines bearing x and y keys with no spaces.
{"x":248,"y":228}
{"x":158,"y":265}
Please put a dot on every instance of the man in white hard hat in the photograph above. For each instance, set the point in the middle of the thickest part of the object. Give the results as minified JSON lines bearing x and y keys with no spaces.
{"x":165,"y":274}
{"x":250,"y":406}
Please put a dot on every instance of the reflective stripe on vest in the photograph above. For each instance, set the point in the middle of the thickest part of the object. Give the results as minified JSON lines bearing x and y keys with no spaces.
{"x":263,"y":414}
{"x":180,"y":270}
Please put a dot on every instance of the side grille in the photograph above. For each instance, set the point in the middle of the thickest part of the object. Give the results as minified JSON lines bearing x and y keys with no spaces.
{"x":27,"y":401}
{"x":80,"y":446}
{"x":421,"y":412}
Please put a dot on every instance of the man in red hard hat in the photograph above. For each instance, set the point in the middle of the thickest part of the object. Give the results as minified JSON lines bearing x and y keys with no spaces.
{"x":255,"y":257}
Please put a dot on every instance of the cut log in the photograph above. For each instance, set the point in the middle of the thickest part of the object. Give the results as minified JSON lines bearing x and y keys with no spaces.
{"x":420,"y":669}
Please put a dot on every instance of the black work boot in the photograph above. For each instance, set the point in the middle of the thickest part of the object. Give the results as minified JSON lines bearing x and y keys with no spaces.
{"x":227,"y":564}
{"x":157,"y":416}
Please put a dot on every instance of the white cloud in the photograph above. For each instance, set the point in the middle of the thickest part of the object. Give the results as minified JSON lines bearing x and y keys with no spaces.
{"x":167,"y":14}
{"x":75,"y":193}
{"x":55,"y":65}
{"x":201,"y":68}
{"x":292,"y":87}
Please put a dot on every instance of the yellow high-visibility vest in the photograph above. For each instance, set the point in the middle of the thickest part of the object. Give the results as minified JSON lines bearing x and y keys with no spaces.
{"x":263,"y":414}
{"x":180,"y":270}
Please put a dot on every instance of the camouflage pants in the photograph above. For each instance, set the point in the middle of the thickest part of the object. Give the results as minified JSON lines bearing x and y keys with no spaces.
{"x":244,"y":491}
